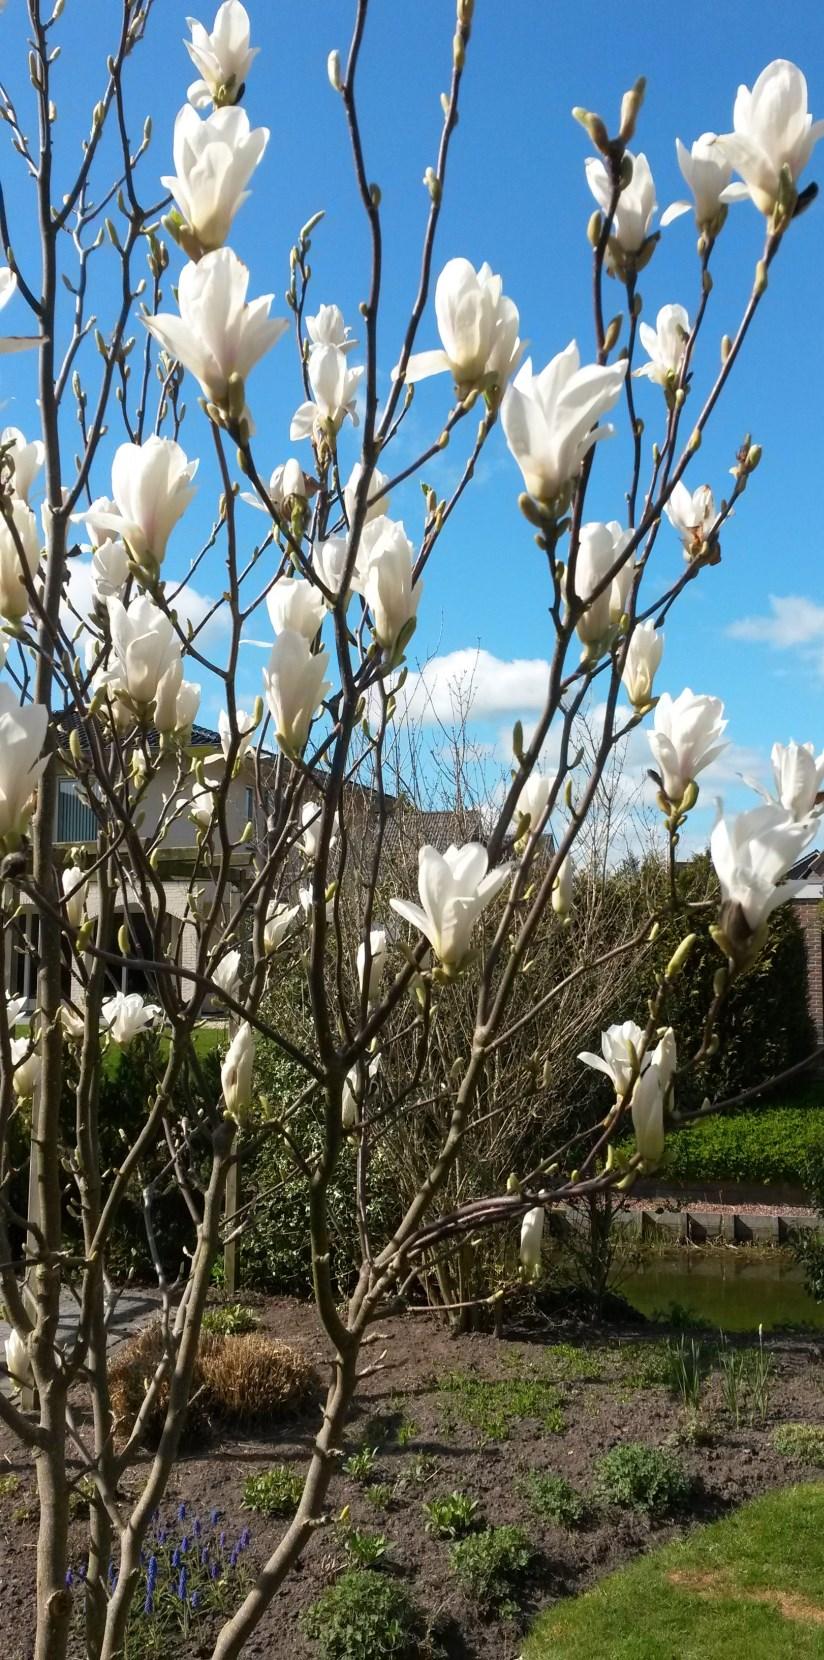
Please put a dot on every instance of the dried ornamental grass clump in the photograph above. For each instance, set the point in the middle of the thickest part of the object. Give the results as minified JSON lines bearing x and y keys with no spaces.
{"x":242,"y":1380}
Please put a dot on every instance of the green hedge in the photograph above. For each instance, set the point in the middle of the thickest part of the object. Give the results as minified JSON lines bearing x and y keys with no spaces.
{"x":770,"y":1144}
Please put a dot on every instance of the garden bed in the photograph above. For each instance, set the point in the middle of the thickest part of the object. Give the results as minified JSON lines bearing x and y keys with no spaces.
{"x":479,"y":1417}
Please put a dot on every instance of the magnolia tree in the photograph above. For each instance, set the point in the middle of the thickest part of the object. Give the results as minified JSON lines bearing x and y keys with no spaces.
{"x":105,"y":697}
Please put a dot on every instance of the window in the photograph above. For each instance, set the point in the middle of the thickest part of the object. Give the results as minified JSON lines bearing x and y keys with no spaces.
{"x":24,"y":952}
{"x":250,"y":806}
{"x":75,"y":820}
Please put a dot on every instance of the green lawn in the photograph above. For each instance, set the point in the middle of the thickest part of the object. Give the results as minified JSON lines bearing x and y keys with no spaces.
{"x":747,"y":1587}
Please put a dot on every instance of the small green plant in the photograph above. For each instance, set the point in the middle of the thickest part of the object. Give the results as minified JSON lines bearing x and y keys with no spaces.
{"x":492,"y":1406}
{"x":687,"y":1367}
{"x":761,"y":1368}
{"x":733,"y":1367}
{"x":554,"y":1499}
{"x":420,"y":1469}
{"x":803,"y":1442}
{"x":230,"y":1320}
{"x":406,"y":1431}
{"x":365,"y":1549}
{"x":363,"y":1616}
{"x":379,"y":1494}
{"x":9,"y":1485}
{"x":274,"y":1492}
{"x":746,"y":1381}
{"x":569,"y":1361}
{"x":452,"y":1516}
{"x":636,"y":1477}
{"x":491,"y":1565}
{"x":359,"y":1465}
{"x":644,"y":1365}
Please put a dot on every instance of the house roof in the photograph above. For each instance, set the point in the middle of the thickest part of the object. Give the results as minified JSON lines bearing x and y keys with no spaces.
{"x":808,"y":869}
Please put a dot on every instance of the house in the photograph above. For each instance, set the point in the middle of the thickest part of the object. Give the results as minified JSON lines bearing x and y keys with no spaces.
{"x":77,"y":828}
{"x":808,"y":909}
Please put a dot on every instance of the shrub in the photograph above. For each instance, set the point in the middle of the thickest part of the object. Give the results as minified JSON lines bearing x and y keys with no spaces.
{"x":554,"y":1499}
{"x":363,"y":1616}
{"x":241,"y":1380}
{"x":808,"y":1249}
{"x":773,"y":1144}
{"x":274,"y":1492}
{"x":491,"y":1565}
{"x":230,"y":1320}
{"x":636,"y":1477}
{"x":803,"y":1442}
{"x":452,"y":1516}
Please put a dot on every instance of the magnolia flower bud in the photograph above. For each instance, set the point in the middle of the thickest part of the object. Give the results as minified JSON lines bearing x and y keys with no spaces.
{"x":377,"y":963}
{"x":333,"y":70}
{"x":562,"y":888}
{"x":226,"y":975}
{"x":236,"y":1073}
{"x":642,"y":660}
{"x":18,"y":1361}
{"x":26,"y":1068}
{"x":22,"y":734}
{"x":532,"y":1233}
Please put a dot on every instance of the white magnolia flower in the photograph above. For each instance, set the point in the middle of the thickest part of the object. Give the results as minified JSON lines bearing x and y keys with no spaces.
{"x":187,"y":704}
{"x":549,"y":419}
{"x":329,"y":560}
{"x":665,"y":344}
{"x":151,"y":489}
{"x":19,"y":552}
{"x":286,"y":483}
{"x":377,"y":963}
{"x":707,"y":171}
{"x":563,"y":887}
{"x":350,"y":1099}
{"x":665,"y":1057}
{"x":310,"y":816}
{"x":73,"y":883}
{"x":307,"y":904}
{"x":295,"y":688}
{"x":478,"y":327}
{"x":386,"y":561}
{"x":692,"y":515}
{"x":218,"y":336}
{"x":22,"y":735}
{"x":18,"y":1361}
{"x":279,"y":919}
{"x":377,"y":499}
{"x":599,"y":548}
{"x":773,"y":131}
{"x":643,"y":658}
{"x":334,"y":390}
{"x":15,"y":1011}
{"x":532,"y":1234}
{"x":236,"y":1072}
{"x":223,"y":57}
{"x":798,"y":774}
{"x":327,"y":328}
{"x":226,"y":975}
{"x":244,"y":726}
{"x":147,"y":653}
{"x":648,"y":1116}
{"x":752,"y":854}
{"x":620,"y":1054}
{"x":73,"y":1023}
{"x":455,"y":888}
{"x":26,"y":1068}
{"x":214,"y":158}
{"x":685,"y":739}
{"x":126,"y":1016}
{"x":201,"y":803}
{"x":635,"y":210}
{"x":24,"y":460}
{"x":532,"y":800}
{"x":110,"y":570}
{"x":12,"y":342}
{"x":294,"y":603}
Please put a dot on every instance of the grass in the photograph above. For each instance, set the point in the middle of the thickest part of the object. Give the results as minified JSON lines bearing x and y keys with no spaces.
{"x":752,"y":1584}
{"x":492,"y":1407}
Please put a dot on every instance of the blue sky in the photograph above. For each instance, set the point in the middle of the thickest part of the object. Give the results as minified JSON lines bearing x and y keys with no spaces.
{"x":752,"y":629}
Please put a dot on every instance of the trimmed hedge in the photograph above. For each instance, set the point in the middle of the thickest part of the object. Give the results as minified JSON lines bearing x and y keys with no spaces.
{"x":770,"y":1144}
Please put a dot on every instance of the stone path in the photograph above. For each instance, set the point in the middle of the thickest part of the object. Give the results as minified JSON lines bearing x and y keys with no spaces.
{"x":135,"y":1308}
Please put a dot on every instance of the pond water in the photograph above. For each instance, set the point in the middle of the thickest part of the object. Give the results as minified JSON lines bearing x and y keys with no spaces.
{"x":734,"y":1290}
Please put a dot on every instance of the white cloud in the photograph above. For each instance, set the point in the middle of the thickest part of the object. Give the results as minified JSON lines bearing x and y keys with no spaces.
{"x":190,"y":605}
{"x":794,"y":623}
{"x":472,"y":682}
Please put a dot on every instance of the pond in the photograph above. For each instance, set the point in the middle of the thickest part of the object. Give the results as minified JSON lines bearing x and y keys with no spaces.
{"x":734,"y":1290}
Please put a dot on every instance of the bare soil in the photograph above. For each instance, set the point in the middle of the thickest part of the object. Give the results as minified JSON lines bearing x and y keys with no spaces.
{"x":405,"y":1411}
